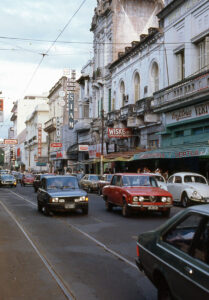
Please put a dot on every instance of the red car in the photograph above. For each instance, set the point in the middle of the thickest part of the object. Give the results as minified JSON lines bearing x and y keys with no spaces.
{"x":136,"y":192}
{"x":27,"y":179}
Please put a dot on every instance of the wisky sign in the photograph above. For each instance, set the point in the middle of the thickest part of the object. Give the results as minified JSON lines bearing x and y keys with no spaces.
{"x":119,"y":132}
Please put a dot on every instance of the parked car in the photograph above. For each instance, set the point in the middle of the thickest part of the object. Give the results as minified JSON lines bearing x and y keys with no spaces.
{"x":105,"y":180}
{"x":37,"y":180}
{"x":79,"y":176}
{"x":133,"y":191}
{"x":188,"y":188}
{"x":27,"y":179}
{"x":8,"y":180}
{"x":90,"y":182}
{"x":61,"y":193}
{"x":175,"y":257}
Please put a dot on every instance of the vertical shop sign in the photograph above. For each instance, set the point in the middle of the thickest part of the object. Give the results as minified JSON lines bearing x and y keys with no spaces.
{"x":58,"y":129}
{"x":71,"y":110}
{"x":39,"y":140}
{"x":1,"y":110}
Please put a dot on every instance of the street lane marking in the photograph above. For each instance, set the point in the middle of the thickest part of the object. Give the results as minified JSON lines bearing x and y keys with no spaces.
{"x":90,"y":237}
{"x":56,"y":276}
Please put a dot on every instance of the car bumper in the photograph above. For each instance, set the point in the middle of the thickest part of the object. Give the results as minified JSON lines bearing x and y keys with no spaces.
{"x":139,"y":265}
{"x":8,"y":184}
{"x":198,"y":201}
{"x":150,"y":207}
{"x":67,"y":206}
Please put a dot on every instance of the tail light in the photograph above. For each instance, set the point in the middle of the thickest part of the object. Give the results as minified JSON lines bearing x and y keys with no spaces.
{"x":137,"y":250}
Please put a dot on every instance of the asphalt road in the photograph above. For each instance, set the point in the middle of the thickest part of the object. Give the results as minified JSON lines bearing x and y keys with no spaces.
{"x":70,"y":256}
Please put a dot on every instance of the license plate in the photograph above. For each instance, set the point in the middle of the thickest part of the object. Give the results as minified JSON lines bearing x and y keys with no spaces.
{"x":70,"y":205}
{"x":153,"y":207}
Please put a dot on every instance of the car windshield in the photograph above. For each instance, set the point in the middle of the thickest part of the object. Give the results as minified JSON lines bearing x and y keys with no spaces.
{"x":7,"y":177}
{"x":159,"y":178}
{"x":29,"y":176}
{"x":62,"y":183}
{"x":197,"y":179}
{"x":138,"y":180}
{"x":93,"y":177}
{"x":109,"y":177}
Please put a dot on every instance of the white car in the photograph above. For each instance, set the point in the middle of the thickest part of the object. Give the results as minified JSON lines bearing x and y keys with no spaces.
{"x":188,"y":188}
{"x":160,"y":180}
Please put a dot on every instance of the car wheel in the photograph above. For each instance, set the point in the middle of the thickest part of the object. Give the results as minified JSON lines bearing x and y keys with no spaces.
{"x":166,"y":213}
{"x":125,"y":210}
{"x":164,"y":291}
{"x":185,"y":200}
{"x":108,"y":205}
{"x":46,"y":211}
{"x":39,"y":206}
{"x":85,"y":210}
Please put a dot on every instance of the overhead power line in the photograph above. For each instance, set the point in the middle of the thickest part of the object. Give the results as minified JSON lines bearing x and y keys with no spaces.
{"x":53,"y":43}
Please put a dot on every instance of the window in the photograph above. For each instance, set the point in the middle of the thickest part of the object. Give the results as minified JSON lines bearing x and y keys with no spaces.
{"x":122,"y":92}
{"x":178,"y":179}
{"x":179,"y":133}
{"x":118,"y":183}
{"x":136,"y":87}
{"x":109,"y":98}
{"x":203,"y":54}
{"x":170,"y":180}
{"x":180,"y":65}
{"x":181,"y":236}
{"x":114,"y":180}
{"x":155,"y":77}
{"x":200,"y":246}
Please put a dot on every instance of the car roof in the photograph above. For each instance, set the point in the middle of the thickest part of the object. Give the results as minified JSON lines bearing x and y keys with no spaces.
{"x":186,"y":173}
{"x":59,"y":176}
{"x":203,"y":208}
{"x":134,"y":174}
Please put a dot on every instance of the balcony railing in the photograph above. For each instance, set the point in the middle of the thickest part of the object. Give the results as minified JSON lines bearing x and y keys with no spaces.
{"x":50,"y":125}
{"x":112,"y":116}
{"x":143,"y":105}
{"x":127,"y":111}
{"x":182,"y":90}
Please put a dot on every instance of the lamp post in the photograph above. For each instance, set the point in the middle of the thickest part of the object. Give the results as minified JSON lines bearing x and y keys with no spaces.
{"x":102,"y":146}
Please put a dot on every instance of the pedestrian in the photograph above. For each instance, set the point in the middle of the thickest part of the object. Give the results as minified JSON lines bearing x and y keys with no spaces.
{"x":138,"y":170}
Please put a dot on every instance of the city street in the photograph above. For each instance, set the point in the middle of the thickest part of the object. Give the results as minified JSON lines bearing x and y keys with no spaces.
{"x":70,"y":256}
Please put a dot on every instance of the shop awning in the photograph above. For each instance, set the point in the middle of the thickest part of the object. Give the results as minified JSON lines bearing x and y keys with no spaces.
{"x":122,"y":156}
{"x":175,"y":152}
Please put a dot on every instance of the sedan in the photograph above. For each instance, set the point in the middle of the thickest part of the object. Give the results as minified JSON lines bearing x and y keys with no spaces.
{"x":90,"y":182}
{"x":104,"y":180}
{"x":8,"y":180}
{"x":138,"y":192}
{"x":175,"y":257}
{"x":27,"y":179}
{"x":188,"y":188}
{"x":61,"y":193}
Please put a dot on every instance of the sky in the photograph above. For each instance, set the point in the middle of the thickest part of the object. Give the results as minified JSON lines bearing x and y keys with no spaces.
{"x":28,"y":29}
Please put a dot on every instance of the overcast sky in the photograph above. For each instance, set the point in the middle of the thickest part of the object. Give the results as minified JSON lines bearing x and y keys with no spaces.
{"x":41,"y":20}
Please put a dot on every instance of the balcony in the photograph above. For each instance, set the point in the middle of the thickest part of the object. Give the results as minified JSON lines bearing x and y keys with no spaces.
{"x":112,"y":117}
{"x":186,"y":92}
{"x":127,"y":111}
{"x":142,"y":106}
{"x":50,"y":125}
{"x":83,"y":125}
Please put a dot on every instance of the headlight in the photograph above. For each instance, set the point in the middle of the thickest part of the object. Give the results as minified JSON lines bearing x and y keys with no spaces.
{"x":61,"y":200}
{"x":141,"y":199}
{"x":54,"y":200}
{"x":135,"y":199}
{"x":164,"y":199}
{"x":169,"y":199}
{"x":82,"y":198}
{"x":196,"y":195}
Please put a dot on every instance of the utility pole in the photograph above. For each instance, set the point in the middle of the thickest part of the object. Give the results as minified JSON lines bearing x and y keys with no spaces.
{"x":102,"y":146}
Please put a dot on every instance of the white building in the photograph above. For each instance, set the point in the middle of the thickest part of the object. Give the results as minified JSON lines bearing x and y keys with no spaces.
{"x":36,"y":146}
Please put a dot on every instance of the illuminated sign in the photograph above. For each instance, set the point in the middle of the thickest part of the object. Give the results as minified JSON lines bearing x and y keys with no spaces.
{"x":56,"y":145}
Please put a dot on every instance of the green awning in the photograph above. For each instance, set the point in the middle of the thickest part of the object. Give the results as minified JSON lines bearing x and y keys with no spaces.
{"x":184,"y":152}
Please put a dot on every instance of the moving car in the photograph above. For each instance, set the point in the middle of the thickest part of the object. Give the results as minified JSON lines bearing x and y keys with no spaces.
{"x":133,"y":191}
{"x":27,"y":179}
{"x":8,"y":180}
{"x":188,"y":188}
{"x":61,"y":193}
{"x":90,"y":182}
{"x":105,"y":180}
{"x":175,"y":257}
{"x":37,"y":180}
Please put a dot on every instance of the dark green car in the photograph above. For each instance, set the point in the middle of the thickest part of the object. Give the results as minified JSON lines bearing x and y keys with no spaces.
{"x":175,"y":257}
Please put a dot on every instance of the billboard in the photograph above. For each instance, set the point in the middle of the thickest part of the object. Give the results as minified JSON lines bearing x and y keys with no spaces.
{"x":71,"y":110}
{"x":83,"y":148}
{"x":119,"y":132}
{"x":10,"y":141}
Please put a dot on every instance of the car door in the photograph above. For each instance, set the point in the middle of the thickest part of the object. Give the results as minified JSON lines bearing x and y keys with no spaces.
{"x":111,"y":189}
{"x":175,"y":186}
{"x":185,"y":268}
{"x":171,"y":186}
{"x":41,"y":194}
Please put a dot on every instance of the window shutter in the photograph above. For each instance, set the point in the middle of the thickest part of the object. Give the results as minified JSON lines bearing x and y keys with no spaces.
{"x":136,"y":87}
{"x":207,"y":52}
{"x":179,"y":67}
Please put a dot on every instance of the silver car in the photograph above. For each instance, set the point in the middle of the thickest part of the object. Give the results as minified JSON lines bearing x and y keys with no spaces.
{"x":188,"y":188}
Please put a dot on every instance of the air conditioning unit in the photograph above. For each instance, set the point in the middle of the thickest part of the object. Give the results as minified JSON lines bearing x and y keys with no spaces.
{"x":125,"y":98}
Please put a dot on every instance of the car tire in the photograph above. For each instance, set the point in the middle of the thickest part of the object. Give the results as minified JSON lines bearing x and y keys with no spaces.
{"x":108,"y":205}
{"x":185,"y":200}
{"x":47,"y":211}
{"x":85,"y":210}
{"x":125,"y":210}
{"x":166,"y":213}
{"x":39,"y":206}
{"x":164,"y":291}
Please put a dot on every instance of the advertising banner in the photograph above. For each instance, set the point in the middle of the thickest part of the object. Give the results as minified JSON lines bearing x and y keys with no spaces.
{"x":39,"y":140}
{"x":83,"y":148}
{"x":10,"y":141}
{"x":119,"y":132}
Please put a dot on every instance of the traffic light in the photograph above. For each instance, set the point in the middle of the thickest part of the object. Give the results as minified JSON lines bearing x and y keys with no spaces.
{"x":1,"y":104}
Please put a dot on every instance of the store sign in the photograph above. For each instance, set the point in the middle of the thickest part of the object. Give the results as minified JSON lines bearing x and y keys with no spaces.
{"x":95,"y":150}
{"x":83,"y":148}
{"x":119,"y":132}
{"x":56,"y":145}
{"x":10,"y":141}
{"x":1,"y":104}
{"x":187,"y":113}
{"x":59,"y":155}
{"x":18,"y":152}
{"x":71,"y":110}
{"x":39,"y":140}
{"x":58,"y":129}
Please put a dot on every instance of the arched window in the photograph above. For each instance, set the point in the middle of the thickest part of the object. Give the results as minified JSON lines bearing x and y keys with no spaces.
{"x":136,"y":87}
{"x":155,"y":77}
{"x":122,"y":92}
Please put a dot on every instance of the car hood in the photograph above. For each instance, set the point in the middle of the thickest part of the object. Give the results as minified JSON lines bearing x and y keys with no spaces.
{"x":67,"y":193}
{"x":201,"y":188}
{"x":147,"y":191}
